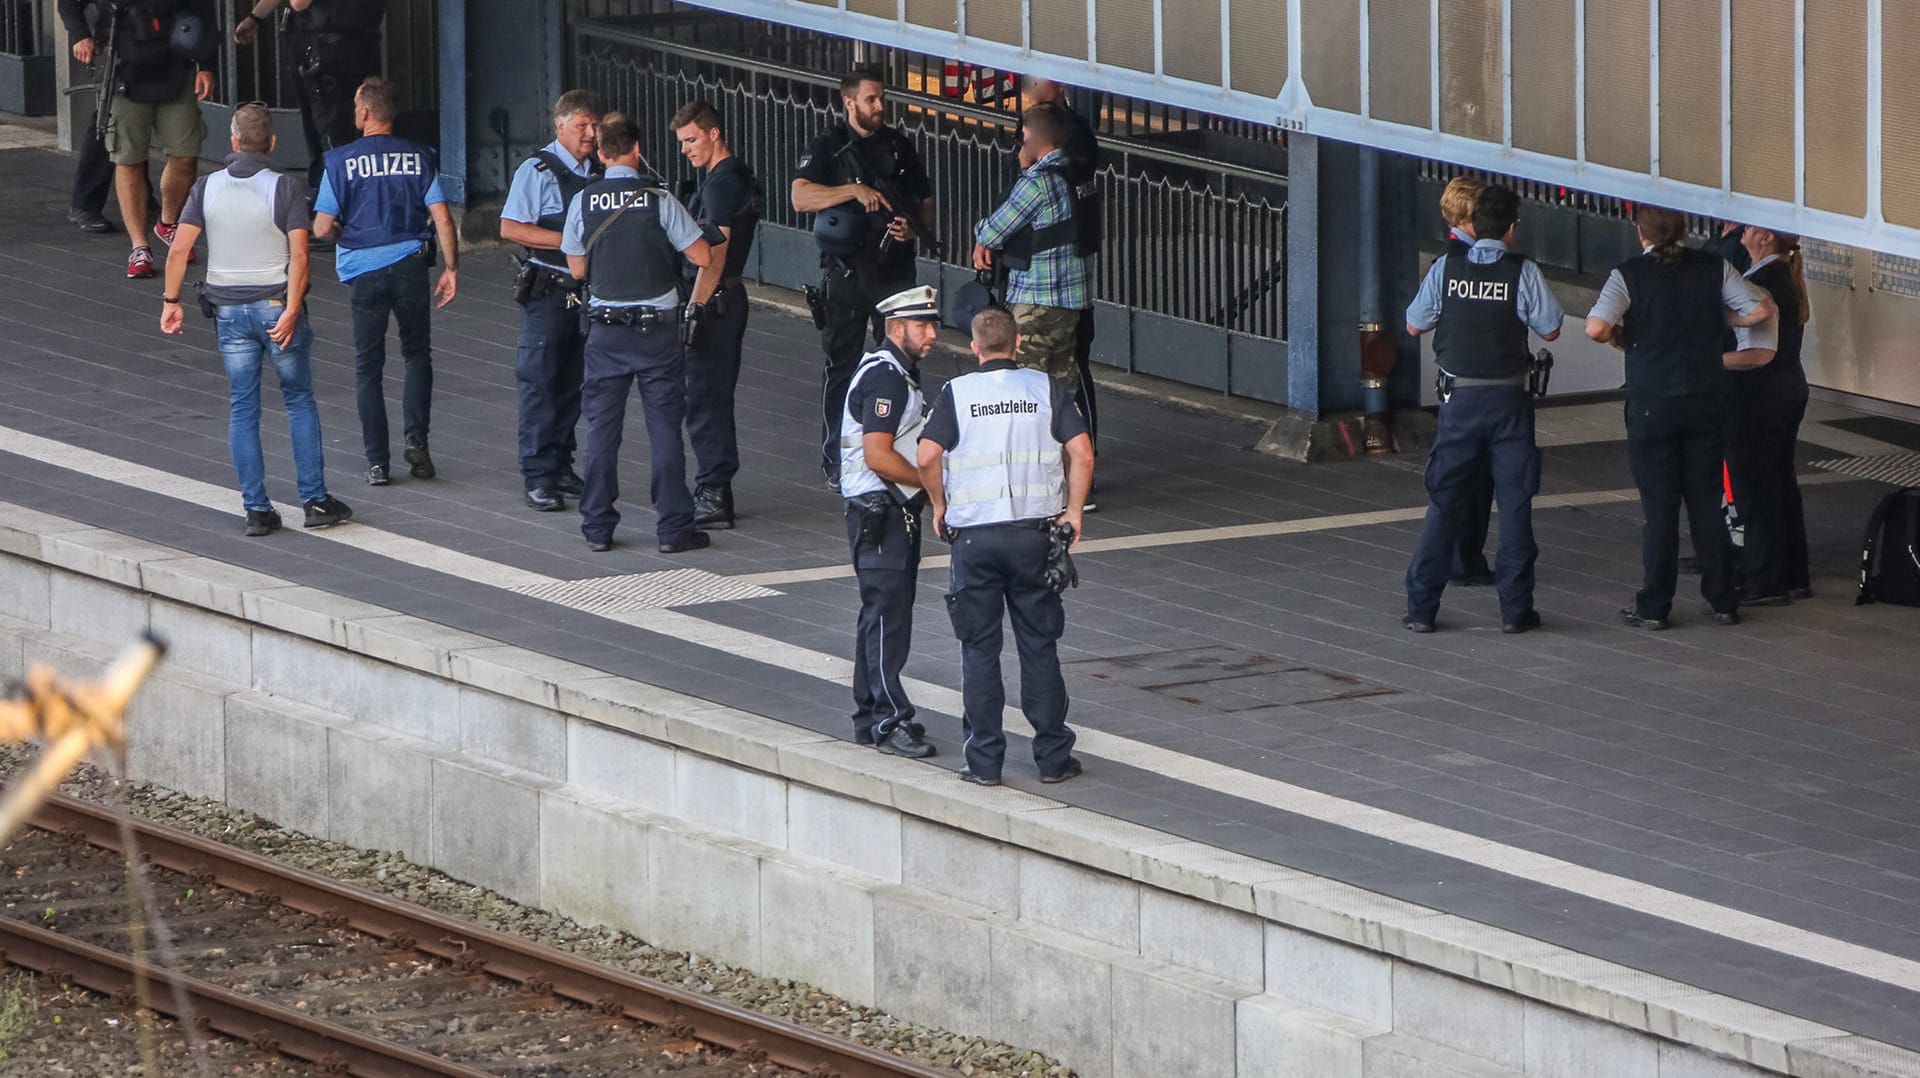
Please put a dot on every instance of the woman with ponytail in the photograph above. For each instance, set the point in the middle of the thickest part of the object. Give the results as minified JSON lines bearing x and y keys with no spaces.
{"x":1767,"y":399}
{"x":1669,"y":308}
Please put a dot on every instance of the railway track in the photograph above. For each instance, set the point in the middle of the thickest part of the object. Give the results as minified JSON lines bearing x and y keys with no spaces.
{"x":363,"y":984}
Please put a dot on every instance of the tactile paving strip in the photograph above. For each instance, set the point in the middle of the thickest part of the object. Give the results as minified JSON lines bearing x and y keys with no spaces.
{"x":1900,"y":469}
{"x":645,"y":591}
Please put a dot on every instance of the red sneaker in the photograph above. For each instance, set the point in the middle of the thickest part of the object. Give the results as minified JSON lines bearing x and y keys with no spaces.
{"x":140,"y":264}
{"x":166,"y":232}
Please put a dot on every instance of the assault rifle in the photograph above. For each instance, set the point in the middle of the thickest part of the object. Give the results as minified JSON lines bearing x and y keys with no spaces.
{"x":902,"y":206}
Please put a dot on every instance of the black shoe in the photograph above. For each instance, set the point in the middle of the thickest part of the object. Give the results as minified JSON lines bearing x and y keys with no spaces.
{"x":1092,"y":504}
{"x":1719,"y":617}
{"x":570,"y":483}
{"x":1072,"y":770}
{"x":1415,"y":625}
{"x":1799,"y":595}
{"x":377,"y":475}
{"x":863,"y":737}
{"x":978,"y":780}
{"x":831,"y":473}
{"x":262,"y":522}
{"x":689,"y":541}
{"x":543,"y":500}
{"x":600,"y":546}
{"x":713,"y":507}
{"x":322,"y":512}
{"x":1630,"y":618}
{"x":1525,"y":623}
{"x":1478,"y":579}
{"x":419,"y":461}
{"x":1690,"y":565}
{"x":1748,"y":598}
{"x":904,"y":740}
{"x":89,"y":221}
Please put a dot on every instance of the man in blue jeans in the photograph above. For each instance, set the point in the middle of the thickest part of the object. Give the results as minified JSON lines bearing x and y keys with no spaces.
{"x":256,"y":225}
{"x":380,"y":199}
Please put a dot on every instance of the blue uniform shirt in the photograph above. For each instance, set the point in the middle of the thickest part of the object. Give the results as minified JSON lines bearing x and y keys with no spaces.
{"x":1534,"y":304}
{"x":682,"y":231}
{"x":350,"y":262}
{"x":534,"y":192}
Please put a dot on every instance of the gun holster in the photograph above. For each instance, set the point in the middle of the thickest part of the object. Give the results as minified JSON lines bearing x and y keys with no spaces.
{"x":874,"y":510}
{"x":817,"y":304}
{"x":1060,"y":572}
{"x":207,"y":309}
{"x":1442,"y":386}
{"x":532,"y":282}
{"x":1540,"y":372}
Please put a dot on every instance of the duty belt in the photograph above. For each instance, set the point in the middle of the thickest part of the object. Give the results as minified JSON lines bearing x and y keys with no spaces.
{"x":1444,"y":384}
{"x":641,"y":318}
{"x":1035,"y":524}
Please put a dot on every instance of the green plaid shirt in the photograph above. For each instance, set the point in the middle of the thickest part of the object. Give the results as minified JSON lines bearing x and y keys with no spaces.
{"x":1059,"y":277}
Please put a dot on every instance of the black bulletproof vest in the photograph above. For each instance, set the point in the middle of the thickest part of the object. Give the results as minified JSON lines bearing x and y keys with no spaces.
{"x":745,"y":219}
{"x":631,"y":260}
{"x":149,"y":72}
{"x":1785,"y":371}
{"x":1674,"y":326}
{"x":571,"y":184}
{"x":1480,"y":333}
{"x":1030,"y":240}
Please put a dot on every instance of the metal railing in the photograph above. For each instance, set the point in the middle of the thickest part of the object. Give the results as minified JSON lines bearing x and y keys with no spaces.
{"x":23,"y":27}
{"x":1185,"y":236}
{"x":263,"y":71}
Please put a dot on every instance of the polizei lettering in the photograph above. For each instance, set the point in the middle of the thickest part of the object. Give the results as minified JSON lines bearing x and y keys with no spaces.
{"x":602,"y":201}
{"x":1015,"y":407}
{"x":369,"y":165}
{"x":1497,"y":291}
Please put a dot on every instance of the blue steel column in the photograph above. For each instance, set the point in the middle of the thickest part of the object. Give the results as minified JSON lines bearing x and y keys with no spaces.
{"x":1303,"y":274}
{"x":512,"y":63}
{"x":453,"y":100}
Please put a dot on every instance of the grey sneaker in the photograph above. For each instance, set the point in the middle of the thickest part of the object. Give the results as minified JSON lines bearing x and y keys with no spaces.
{"x":377,"y":475}
{"x":262,"y":522}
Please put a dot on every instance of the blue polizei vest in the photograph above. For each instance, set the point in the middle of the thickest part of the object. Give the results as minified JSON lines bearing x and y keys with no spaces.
{"x":381,"y":184}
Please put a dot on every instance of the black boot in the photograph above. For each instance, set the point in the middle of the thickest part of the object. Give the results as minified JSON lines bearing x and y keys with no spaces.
{"x":713,"y":507}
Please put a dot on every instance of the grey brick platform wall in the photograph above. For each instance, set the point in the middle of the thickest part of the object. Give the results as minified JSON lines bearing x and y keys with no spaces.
{"x":1125,"y":952}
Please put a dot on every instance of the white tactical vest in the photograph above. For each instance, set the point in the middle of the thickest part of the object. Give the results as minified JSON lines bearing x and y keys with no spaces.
{"x":855,"y":477}
{"x":245,"y":246}
{"x":1006,"y":465}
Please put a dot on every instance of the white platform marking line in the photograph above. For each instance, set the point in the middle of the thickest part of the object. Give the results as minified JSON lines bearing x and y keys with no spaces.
{"x":1471,"y":849}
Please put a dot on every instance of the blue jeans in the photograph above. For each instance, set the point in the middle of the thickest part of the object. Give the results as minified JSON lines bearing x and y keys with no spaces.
{"x":244,"y":345}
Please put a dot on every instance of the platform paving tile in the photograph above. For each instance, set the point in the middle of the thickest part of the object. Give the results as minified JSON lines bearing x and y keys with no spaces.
{"x":1767,"y":768}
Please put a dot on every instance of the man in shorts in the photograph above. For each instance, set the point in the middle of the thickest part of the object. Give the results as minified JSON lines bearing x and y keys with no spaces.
{"x":163,"y":71}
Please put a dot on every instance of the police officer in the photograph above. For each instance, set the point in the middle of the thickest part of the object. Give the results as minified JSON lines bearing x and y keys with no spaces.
{"x":550,"y":354}
{"x":1470,"y":568}
{"x":380,"y":198}
{"x":729,"y":198}
{"x":1480,"y":304}
{"x":990,"y":457}
{"x":881,"y":483}
{"x":623,"y":236}
{"x":866,"y":241}
{"x":334,"y":46}
{"x":1668,"y":308}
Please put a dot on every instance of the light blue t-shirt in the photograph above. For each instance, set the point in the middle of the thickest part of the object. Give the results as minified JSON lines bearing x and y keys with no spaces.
{"x":350,"y":263}
{"x":534,"y":193}
{"x":1533,"y":302}
{"x":682,"y":231}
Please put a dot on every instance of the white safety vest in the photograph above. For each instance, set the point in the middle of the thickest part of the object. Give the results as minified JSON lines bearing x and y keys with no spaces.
{"x":855,"y":477}
{"x":245,"y":246}
{"x":1006,"y":465}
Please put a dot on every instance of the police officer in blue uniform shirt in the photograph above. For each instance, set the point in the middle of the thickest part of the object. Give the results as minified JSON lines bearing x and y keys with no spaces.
{"x":881,"y":482}
{"x":1481,"y":303}
{"x":380,"y":200}
{"x":729,"y":199}
{"x":623,"y":238}
{"x":551,"y":351}
{"x":991,"y":460}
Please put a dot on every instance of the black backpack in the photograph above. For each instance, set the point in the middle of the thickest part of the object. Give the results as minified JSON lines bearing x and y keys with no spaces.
{"x":1890,"y":557}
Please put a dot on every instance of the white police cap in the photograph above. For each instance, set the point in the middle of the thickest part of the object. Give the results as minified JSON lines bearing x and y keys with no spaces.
{"x":920,"y":302}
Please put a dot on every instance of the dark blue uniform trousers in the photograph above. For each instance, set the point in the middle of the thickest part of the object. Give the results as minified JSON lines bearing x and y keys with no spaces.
{"x":399,"y":291}
{"x":1001,"y":568}
{"x":1495,"y":422}
{"x":547,"y":365}
{"x":713,"y":370}
{"x":617,"y":357}
{"x":888,"y":574}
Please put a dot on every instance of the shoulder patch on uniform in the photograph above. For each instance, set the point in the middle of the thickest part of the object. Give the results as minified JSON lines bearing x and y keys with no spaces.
{"x":883,"y":407}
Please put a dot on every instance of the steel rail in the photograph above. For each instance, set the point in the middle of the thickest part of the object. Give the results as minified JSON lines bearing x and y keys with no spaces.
{"x":540,"y":968}
{"x":267,"y":1026}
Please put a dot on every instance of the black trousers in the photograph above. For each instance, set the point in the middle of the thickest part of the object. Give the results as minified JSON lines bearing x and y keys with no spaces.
{"x":844,"y":340}
{"x":618,"y":357}
{"x":326,"y":91}
{"x":888,"y":573}
{"x":92,"y":173}
{"x":1761,"y":437}
{"x":1676,"y":446}
{"x":547,"y":368}
{"x":713,"y":371}
{"x":398,"y":291}
{"x":1083,"y":361}
{"x":1000,"y":570}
